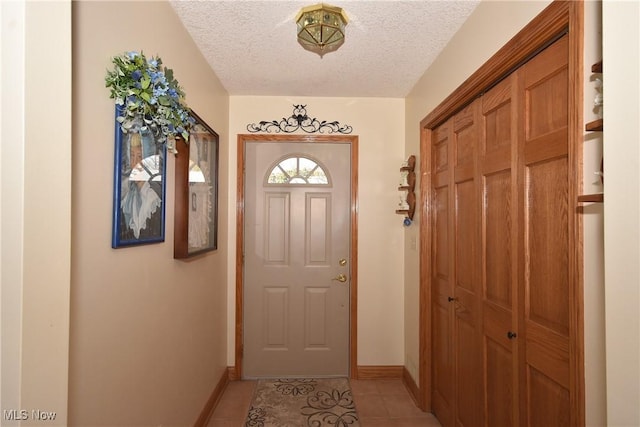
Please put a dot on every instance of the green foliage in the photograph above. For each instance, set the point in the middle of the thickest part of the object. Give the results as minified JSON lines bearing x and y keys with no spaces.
{"x":146,"y":89}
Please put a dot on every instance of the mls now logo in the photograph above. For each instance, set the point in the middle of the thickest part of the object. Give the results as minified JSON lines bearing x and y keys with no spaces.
{"x":23,"y":415}
{"x":15,"y":415}
{"x":39,"y":415}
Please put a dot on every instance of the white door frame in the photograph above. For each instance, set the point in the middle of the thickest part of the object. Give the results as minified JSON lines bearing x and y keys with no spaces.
{"x":352,"y":140}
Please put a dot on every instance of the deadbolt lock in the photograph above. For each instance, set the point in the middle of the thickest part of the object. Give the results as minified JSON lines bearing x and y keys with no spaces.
{"x":342,"y":262}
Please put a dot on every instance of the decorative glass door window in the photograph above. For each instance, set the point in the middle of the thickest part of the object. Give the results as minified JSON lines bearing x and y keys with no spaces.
{"x":298,"y":170}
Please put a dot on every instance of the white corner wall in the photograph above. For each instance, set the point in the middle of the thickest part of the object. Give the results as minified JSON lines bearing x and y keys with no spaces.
{"x":593,"y":231}
{"x":379,"y":124}
{"x":36,"y":206}
{"x":148,"y":332}
{"x":621,"y":146}
{"x":12,"y":52}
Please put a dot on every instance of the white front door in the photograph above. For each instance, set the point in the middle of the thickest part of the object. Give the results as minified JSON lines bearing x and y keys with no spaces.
{"x":297,"y":259}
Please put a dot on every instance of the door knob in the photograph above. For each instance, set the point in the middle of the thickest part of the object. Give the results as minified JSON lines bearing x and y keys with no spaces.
{"x":511,"y":335}
{"x":340,"y":278}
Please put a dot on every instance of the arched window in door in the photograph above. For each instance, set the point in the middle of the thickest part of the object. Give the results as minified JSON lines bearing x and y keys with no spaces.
{"x":298,"y":169}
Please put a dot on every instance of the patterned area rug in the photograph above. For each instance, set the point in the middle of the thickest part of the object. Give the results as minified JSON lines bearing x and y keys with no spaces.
{"x":318,"y":402}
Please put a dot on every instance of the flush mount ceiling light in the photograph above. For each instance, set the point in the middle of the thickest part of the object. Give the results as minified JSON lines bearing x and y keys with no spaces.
{"x":321,"y":28}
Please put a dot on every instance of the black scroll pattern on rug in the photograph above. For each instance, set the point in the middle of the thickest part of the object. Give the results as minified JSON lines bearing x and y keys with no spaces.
{"x":330,"y":409}
{"x":302,"y":402}
{"x":295,"y":387}
{"x":256,"y":417}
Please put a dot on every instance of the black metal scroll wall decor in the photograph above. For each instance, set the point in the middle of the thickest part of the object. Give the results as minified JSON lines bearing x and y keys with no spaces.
{"x":299,"y":120}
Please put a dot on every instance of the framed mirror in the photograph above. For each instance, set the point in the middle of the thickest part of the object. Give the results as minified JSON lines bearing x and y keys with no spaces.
{"x":196,"y":204}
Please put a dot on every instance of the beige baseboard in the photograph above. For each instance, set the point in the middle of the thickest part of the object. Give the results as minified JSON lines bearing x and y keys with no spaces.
{"x":371,"y":372}
{"x":210,"y":406}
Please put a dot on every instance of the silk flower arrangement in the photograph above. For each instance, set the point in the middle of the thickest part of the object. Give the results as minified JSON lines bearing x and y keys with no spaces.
{"x":144,"y":89}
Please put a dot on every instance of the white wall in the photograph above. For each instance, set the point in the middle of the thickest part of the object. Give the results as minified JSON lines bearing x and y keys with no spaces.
{"x":379,"y":124}
{"x":148,"y":332}
{"x":36,"y":205}
{"x":12,"y":52}
{"x":593,"y":232}
{"x":621,"y":71}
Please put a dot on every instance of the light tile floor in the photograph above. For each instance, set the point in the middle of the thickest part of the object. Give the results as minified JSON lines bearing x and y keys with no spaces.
{"x":378,"y":402}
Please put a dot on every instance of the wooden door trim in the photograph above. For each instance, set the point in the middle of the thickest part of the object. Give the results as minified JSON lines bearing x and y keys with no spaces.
{"x":352,"y":140}
{"x":558,"y":18}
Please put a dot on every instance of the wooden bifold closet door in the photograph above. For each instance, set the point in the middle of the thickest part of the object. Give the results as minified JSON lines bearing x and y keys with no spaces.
{"x":501,"y":251}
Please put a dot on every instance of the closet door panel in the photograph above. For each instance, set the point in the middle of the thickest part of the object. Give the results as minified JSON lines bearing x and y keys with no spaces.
{"x":500,"y":362}
{"x":469,"y":404}
{"x":545,"y":239}
{"x":497,"y":113}
{"x":547,"y":92}
{"x":549,"y":351}
{"x":545,"y":393}
{"x":466,"y":136}
{"x":468,"y":322}
{"x":441,"y":241}
{"x":443,"y":357}
{"x":547,"y":245}
{"x":466,"y":226}
{"x":542,"y":148}
{"x":499,"y":388}
{"x":442,"y":362}
{"x":499,"y":252}
{"x":505,"y":240}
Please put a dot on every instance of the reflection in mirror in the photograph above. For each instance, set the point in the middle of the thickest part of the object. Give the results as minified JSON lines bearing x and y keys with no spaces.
{"x":195,"y":173}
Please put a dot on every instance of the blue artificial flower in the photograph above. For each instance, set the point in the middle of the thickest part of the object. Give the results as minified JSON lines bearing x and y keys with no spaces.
{"x":136,"y":75}
{"x":132,"y":55}
{"x":153,"y":62}
{"x":153,"y":100}
{"x":159,"y":91}
{"x":132,"y":99}
{"x":173,"y":93}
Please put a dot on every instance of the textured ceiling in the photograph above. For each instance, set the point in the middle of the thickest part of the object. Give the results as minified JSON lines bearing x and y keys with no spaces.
{"x":252,"y":46}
